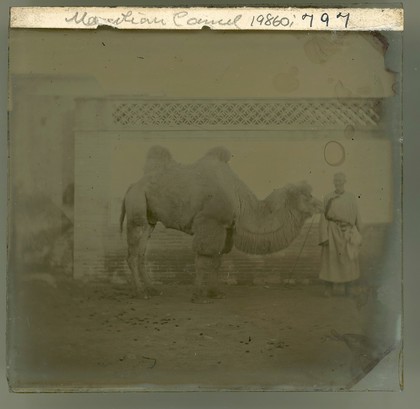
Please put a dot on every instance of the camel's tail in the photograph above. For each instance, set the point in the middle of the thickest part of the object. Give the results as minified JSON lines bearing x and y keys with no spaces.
{"x":122,"y":216}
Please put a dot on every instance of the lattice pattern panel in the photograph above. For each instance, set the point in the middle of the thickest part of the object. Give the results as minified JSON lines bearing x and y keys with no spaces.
{"x":296,"y":114}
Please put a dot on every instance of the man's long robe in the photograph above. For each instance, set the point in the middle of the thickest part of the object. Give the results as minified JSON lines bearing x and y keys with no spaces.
{"x":340,"y":229}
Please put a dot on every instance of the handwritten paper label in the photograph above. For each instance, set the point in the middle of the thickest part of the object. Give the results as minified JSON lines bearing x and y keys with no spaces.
{"x":245,"y":18}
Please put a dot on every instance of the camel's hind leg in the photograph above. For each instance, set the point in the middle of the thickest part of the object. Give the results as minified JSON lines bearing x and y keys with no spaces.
{"x":137,"y":238}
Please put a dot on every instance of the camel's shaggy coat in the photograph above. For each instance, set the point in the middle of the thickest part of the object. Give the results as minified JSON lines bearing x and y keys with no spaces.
{"x":208,"y":200}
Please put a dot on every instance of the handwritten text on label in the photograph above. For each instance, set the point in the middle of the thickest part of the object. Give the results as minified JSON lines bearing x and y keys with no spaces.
{"x":194,"y":18}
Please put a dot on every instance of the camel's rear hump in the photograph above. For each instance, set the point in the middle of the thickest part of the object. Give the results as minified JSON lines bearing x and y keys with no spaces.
{"x":158,"y":158}
{"x":219,"y":153}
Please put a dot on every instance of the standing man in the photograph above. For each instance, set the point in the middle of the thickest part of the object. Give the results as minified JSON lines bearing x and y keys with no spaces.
{"x":340,"y":239}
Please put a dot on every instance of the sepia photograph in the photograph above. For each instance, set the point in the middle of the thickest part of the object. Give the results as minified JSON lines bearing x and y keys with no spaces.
{"x":204,"y":210}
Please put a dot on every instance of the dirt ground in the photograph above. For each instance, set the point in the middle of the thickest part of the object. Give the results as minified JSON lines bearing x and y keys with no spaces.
{"x":71,"y":335}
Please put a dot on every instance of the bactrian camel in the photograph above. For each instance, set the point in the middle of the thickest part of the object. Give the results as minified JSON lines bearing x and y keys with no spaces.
{"x":207,"y":200}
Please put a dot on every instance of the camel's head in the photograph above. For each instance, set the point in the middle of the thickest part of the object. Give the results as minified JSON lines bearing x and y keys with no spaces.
{"x":300,"y":197}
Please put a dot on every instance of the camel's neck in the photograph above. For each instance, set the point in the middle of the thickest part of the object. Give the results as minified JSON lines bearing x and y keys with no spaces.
{"x":266,"y":226}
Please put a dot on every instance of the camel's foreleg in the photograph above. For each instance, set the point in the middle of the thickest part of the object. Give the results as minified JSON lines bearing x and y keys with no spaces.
{"x":208,"y":244}
{"x":207,"y":283}
{"x":137,"y":238}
